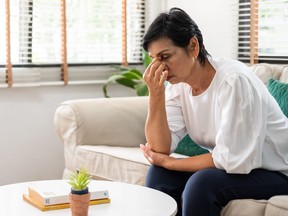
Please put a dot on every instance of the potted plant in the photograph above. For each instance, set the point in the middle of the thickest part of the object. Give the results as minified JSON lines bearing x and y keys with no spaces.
{"x":130,"y":77}
{"x":79,"y":196}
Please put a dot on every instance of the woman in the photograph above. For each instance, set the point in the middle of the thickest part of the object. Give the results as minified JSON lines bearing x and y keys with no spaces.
{"x":224,"y":108}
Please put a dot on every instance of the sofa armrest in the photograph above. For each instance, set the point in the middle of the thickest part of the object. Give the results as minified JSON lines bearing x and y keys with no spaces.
{"x":101,"y":121}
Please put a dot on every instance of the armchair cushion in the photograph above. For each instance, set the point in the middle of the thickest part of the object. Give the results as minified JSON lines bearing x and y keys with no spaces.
{"x":277,"y":205}
{"x":112,"y":163}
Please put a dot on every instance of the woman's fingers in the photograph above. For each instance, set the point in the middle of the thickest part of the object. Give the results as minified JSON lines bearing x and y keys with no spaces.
{"x":146,"y":152}
{"x":163,"y":77}
{"x":155,"y":76}
{"x":158,"y":72}
{"x":151,"y":67}
{"x":155,"y":73}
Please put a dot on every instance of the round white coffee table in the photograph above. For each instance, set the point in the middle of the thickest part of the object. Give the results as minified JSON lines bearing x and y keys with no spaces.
{"x":126,"y":200}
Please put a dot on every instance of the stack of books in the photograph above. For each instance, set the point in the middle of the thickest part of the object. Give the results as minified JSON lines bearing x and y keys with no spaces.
{"x":49,"y":195}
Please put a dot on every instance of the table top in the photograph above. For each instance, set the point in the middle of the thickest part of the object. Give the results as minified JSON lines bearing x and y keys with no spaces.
{"x":126,"y":200}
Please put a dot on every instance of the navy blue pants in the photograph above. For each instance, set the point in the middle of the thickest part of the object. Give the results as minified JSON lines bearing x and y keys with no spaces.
{"x":205,"y":192}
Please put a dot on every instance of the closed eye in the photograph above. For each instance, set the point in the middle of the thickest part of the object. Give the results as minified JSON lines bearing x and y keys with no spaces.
{"x":164,"y":57}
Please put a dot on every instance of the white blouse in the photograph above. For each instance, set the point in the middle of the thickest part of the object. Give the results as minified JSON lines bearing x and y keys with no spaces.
{"x":236,"y":119}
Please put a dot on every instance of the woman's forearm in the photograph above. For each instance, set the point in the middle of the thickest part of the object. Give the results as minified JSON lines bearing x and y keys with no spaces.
{"x":157,"y":131}
{"x":191,"y":164}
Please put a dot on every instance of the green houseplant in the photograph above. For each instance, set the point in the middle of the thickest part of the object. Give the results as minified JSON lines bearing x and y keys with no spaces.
{"x":129,"y":77}
{"x":79,"y":196}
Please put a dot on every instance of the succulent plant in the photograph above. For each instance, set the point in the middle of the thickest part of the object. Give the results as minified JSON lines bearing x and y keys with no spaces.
{"x":79,"y":180}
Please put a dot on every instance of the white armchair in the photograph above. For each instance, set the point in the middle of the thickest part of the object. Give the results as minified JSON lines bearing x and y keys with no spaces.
{"x":103,"y":135}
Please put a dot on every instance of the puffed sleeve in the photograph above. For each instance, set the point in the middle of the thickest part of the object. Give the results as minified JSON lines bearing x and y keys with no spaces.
{"x":174,"y":115}
{"x":240,"y":128}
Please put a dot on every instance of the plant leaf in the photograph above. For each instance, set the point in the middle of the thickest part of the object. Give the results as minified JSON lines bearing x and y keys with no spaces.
{"x":126,"y":82}
{"x":121,"y":79}
{"x":114,"y":77}
{"x":146,"y":59}
{"x":111,"y":79}
{"x":132,"y":74}
{"x":141,"y":89}
{"x":79,"y":180}
{"x":104,"y":88}
{"x":137,"y":72}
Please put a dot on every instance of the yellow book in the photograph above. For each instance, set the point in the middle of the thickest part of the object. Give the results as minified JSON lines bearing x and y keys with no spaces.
{"x":43,"y":207}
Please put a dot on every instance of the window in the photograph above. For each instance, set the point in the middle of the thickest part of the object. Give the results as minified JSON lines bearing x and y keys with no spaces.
{"x":263,"y":35}
{"x":52,"y":41}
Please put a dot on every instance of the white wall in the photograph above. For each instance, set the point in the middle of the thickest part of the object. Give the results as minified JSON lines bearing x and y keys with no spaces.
{"x":217,"y":21}
{"x":29,"y":146}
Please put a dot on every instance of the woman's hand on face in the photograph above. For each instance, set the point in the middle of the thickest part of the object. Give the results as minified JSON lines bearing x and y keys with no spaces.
{"x":157,"y":159}
{"x":155,"y":76}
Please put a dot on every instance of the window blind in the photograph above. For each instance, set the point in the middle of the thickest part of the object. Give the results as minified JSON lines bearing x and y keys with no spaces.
{"x":52,"y":40}
{"x":35,"y":32}
{"x":93,"y":30}
{"x":262,"y":33}
{"x":2,"y":43}
{"x":135,"y":29}
{"x":2,"y":36}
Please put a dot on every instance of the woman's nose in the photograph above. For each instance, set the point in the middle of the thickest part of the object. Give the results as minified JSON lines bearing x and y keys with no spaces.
{"x":166,"y":67}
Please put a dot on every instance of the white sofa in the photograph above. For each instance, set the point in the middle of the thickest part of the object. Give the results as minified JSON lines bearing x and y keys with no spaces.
{"x":103,"y":135}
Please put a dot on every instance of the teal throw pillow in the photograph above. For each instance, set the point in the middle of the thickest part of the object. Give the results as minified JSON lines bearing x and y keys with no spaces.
{"x":188,"y":147}
{"x":279,"y":90}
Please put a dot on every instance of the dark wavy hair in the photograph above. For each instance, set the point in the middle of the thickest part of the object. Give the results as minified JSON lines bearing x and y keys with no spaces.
{"x":178,"y":26}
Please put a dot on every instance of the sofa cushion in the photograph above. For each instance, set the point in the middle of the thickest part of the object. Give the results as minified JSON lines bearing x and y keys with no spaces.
{"x":277,"y":205}
{"x":112,"y":163}
{"x":244,"y":207}
{"x":284,"y":75}
{"x":188,"y":147}
{"x":267,"y":71}
{"x":280,"y":92}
